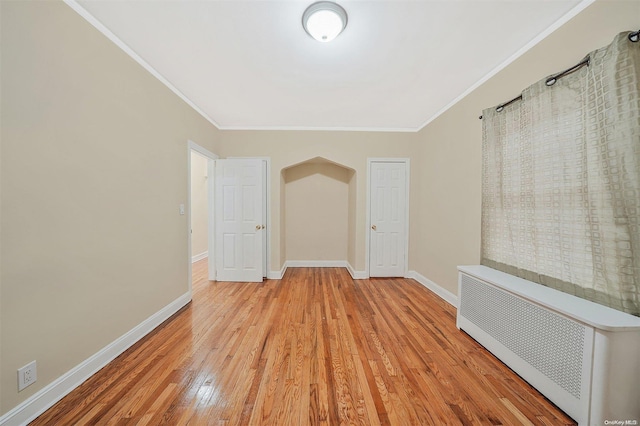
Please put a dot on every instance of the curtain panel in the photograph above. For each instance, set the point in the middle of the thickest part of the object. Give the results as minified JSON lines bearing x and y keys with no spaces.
{"x":561,"y":181}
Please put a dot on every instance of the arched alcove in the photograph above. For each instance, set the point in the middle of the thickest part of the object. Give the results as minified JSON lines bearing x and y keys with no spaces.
{"x":318,"y":211}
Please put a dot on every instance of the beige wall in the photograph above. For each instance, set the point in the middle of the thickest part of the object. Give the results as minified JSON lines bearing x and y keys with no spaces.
{"x":94,"y":167}
{"x":287,"y":148}
{"x":317,"y":211}
{"x":445,"y":215}
{"x":199,"y":206}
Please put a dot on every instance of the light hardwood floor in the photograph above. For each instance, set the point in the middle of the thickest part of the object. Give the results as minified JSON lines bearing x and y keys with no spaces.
{"x":313,"y":348}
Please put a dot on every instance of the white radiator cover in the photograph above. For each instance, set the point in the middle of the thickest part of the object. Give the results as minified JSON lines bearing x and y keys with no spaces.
{"x":582,"y":356}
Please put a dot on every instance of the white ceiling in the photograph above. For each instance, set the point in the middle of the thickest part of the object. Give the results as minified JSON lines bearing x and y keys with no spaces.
{"x":397,"y":65}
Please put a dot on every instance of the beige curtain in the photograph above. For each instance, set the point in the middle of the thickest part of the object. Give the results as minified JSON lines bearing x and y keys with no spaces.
{"x":561,"y":181}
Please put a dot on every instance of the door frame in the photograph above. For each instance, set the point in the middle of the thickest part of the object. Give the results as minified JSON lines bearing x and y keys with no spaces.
{"x":210,"y":156}
{"x":407,"y":163}
{"x":267,"y":219}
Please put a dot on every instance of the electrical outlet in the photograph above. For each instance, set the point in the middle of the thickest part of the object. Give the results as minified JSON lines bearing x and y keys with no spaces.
{"x":27,"y":375}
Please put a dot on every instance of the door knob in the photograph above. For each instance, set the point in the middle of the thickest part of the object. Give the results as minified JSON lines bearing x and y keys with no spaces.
{"x":263,"y":226}
{"x":257,"y":227}
{"x":374,"y":227}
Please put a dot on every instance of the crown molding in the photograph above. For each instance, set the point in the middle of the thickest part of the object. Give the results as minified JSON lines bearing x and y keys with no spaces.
{"x":73,"y":4}
{"x":537,"y":39}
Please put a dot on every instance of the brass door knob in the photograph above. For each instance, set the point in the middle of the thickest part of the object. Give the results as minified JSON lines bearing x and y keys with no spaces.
{"x":257,"y":227}
{"x":374,"y":227}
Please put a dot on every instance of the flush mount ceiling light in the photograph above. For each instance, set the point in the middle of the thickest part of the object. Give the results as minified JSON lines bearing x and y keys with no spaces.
{"x":324,"y":20}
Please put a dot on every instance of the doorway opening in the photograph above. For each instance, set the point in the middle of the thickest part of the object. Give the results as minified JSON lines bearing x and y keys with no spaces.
{"x":199,"y":207}
{"x":200,"y":219}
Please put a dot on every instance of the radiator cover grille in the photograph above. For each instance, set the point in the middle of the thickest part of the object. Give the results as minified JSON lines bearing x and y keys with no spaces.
{"x":549,"y":342}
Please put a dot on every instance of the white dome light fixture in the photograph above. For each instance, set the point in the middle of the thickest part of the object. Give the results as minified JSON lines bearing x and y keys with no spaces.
{"x":324,"y":20}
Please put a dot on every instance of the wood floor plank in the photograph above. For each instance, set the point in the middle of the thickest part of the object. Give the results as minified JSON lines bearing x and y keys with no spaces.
{"x":315,"y":348}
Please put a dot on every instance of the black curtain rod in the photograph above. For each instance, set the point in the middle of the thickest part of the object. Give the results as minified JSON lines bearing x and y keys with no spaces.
{"x":501,"y":106}
{"x":554,"y":78}
{"x":549,"y":82}
{"x":633,"y":37}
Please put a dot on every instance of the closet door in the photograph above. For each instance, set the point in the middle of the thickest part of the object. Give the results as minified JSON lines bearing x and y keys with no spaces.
{"x":387,"y":248}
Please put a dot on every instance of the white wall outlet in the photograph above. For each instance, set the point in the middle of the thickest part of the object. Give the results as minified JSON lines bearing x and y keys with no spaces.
{"x":181,"y":209}
{"x":27,"y":375}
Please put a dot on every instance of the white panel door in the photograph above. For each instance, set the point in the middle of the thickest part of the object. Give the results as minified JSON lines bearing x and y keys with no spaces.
{"x":387,"y":242}
{"x":239,"y":231}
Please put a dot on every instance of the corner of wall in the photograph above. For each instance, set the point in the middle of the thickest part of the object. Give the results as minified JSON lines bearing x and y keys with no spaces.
{"x":357,"y":275}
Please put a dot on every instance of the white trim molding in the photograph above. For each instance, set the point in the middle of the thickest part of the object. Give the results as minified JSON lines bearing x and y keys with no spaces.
{"x":200,"y":256}
{"x":316,"y":263}
{"x":524,"y":49}
{"x":357,"y":275}
{"x":46,"y":397}
{"x":443,"y":293}
{"x":73,"y":4}
{"x":322,"y":129}
{"x":277,"y":275}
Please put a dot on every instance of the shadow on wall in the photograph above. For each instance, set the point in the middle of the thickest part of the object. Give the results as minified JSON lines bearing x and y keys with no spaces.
{"x":319,"y":206}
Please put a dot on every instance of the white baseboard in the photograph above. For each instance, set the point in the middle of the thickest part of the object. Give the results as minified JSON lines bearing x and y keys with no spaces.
{"x":357,"y":275}
{"x":42,"y":400}
{"x":316,"y":263}
{"x":444,"y":294}
{"x":277,"y":275}
{"x":200,"y":256}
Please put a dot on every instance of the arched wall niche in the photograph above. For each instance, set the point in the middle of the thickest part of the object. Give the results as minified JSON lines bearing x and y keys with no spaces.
{"x":318,"y":212}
